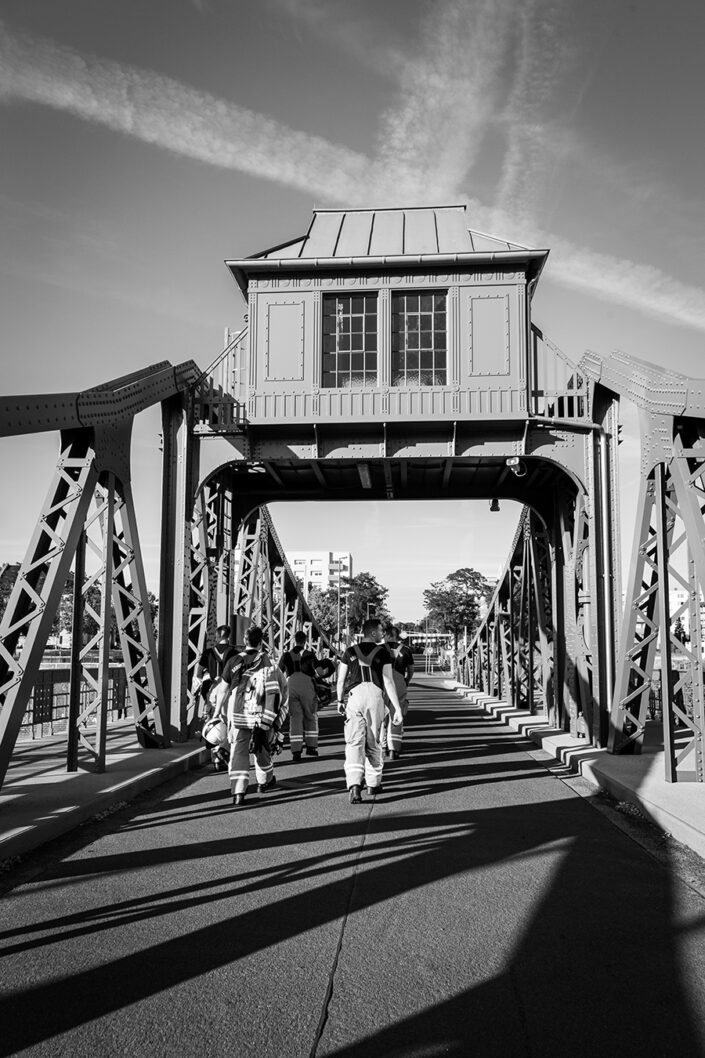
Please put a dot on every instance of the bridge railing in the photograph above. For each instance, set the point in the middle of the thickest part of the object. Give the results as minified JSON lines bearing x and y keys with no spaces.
{"x":219,"y":394}
{"x":557,"y":389}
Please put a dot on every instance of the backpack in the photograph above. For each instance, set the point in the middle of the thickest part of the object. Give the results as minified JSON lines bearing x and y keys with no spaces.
{"x":250,"y":692}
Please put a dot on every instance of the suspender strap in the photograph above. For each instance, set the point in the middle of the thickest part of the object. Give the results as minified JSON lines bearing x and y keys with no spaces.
{"x":366,"y":662}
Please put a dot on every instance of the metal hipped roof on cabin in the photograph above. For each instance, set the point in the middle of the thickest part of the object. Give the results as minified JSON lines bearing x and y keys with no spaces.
{"x":361,"y":238}
{"x":387,"y":233}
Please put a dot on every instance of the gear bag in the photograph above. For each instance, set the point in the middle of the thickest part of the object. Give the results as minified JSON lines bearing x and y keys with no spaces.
{"x":250,"y":692}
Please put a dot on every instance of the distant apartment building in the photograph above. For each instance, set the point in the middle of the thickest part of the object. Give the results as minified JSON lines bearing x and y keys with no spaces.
{"x":321,"y":569}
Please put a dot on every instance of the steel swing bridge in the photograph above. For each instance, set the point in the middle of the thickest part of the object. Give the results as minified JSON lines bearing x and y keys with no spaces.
{"x":387,"y":354}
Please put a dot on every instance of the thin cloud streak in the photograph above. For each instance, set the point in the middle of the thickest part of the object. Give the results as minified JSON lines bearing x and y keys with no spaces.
{"x":540,"y":63}
{"x":432,"y":135}
{"x":636,"y":286}
{"x":345,"y":30}
{"x":161,"y":111}
{"x":428,"y":142}
{"x":644,"y":288}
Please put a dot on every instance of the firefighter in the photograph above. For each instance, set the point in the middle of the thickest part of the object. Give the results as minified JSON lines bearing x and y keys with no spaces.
{"x":404,"y":662}
{"x":207,"y":683}
{"x":298,"y":666}
{"x":365,"y":671}
{"x":392,"y":734}
{"x":257,"y":709}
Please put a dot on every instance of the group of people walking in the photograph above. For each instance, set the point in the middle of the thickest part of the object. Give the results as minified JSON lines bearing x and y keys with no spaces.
{"x":247,"y":699}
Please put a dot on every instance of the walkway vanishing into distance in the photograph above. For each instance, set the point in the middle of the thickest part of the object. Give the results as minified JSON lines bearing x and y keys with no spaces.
{"x":479,"y":907}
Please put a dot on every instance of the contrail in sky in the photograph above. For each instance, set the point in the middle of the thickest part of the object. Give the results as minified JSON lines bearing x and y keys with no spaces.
{"x":431,"y":137}
{"x":163,"y":112}
{"x":428,"y":144}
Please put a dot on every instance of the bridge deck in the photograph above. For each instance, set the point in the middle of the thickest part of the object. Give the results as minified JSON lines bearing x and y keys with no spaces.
{"x":478,"y":907}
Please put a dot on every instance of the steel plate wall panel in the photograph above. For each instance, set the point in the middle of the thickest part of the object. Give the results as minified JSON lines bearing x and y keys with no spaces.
{"x":420,"y":231}
{"x":324,"y":235}
{"x":489,"y":335}
{"x":453,"y":235}
{"x":284,"y":337}
{"x":387,"y":235}
{"x":354,"y":240}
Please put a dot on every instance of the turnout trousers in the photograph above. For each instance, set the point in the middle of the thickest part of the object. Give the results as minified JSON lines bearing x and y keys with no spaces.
{"x":239,"y":767}
{"x":392,"y":734}
{"x":364,"y":714}
{"x":303,"y":713}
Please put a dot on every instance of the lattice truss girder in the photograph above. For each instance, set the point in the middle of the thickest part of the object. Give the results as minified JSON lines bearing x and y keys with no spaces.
{"x":35,"y":597}
{"x":239,"y":570}
{"x":511,"y":655}
{"x":669,"y":553}
{"x":67,"y":527}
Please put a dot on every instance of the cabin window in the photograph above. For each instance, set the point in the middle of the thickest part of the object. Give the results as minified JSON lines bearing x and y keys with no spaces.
{"x":419,"y":339}
{"x":349,"y":340}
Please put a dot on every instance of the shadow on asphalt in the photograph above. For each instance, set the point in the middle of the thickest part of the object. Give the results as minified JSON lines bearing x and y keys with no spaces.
{"x":594,"y":972}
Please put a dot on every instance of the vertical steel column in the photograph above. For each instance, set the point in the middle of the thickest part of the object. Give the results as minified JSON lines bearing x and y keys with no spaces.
{"x":75,"y":670}
{"x":637,"y":651}
{"x":179,"y":476}
{"x":197,"y":614}
{"x":664,"y":620}
{"x":687,"y":472}
{"x":107,"y":521}
{"x":696,"y":670}
{"x":541,"y":605}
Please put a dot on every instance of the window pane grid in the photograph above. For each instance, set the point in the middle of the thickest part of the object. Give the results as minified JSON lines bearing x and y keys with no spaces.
{"x":349,"y":341}
{"x":419,"y":339}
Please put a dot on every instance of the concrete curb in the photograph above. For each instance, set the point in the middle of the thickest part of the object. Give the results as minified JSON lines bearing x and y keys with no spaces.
{"x":96,"y":794}
{"x":677,"y":808}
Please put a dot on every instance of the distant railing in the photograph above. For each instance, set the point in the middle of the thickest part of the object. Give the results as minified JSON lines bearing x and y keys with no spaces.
{"x":47,"y":712}
{"x":557,"y":390}
{"x":220,"y":392}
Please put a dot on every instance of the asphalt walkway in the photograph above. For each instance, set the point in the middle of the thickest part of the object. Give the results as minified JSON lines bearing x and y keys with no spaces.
{"x":478,"y":907}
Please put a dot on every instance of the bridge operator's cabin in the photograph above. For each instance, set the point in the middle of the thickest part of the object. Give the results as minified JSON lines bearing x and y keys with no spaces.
{"x":387,"y":314}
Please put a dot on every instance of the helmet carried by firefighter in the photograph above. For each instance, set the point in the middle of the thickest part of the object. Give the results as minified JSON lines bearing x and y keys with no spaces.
{"x":215,"y":731}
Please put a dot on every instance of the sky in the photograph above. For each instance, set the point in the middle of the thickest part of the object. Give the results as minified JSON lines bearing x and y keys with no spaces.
{"x":145,"y":143}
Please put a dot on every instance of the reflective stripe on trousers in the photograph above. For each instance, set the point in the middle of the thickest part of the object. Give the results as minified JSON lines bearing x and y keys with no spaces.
{"x":239,"y":767}
{"x":303,"y":721}
{"x":363,"y":724}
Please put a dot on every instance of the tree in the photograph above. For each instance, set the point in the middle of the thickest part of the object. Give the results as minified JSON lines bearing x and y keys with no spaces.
{"x":453,"y":604}
{"x":324,"y":607}
{"x":366,"y":598}
{"x":153,"y":603}
{"x":679,"y":632}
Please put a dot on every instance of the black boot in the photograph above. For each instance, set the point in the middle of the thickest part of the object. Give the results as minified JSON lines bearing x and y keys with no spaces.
{"x":238,"y":799}
{"x":355,"y":795}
